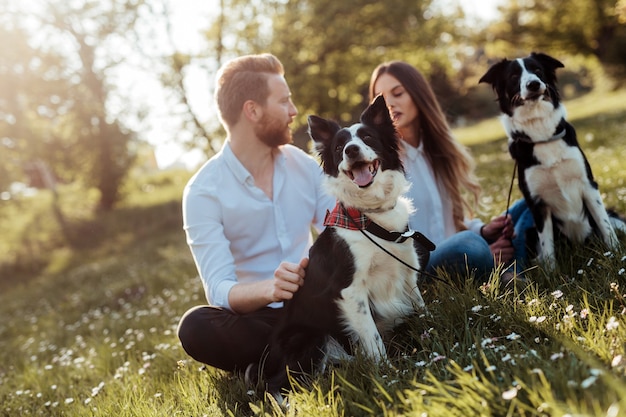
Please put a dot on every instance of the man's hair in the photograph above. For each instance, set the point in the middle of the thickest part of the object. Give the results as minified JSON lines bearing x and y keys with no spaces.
{"x":242,"y":79}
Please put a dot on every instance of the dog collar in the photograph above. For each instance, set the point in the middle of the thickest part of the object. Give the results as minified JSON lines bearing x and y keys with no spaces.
{"x":523,"y":137}
{"x":353,"y":219}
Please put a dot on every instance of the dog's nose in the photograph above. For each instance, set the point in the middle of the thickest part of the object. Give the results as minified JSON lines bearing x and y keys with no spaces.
{"x":352,"y":151}
{"x":533,"y":85}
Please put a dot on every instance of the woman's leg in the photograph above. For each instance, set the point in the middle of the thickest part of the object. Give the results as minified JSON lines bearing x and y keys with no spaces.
{"x":461,"y":253}
{"x":225,"y":340}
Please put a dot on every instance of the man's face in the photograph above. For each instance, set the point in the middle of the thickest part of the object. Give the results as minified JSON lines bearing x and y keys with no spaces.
{"x":278,"y":113}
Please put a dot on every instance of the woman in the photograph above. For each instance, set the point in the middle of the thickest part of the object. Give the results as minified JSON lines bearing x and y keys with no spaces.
{"x":444,"y":187}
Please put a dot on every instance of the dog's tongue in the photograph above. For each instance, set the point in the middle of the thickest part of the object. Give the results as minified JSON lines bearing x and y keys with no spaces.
{"x":362,"y":175}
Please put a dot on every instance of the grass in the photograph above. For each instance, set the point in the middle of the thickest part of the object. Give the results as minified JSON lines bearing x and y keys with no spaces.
{"x":91,"y":330}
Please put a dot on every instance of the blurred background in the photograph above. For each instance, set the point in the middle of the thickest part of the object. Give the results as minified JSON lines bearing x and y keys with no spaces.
{"x":92,"y":91}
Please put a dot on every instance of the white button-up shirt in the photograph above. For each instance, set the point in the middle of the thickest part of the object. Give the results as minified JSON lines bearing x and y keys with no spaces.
{"x":433,"y":206}
{"x":236,"y":233}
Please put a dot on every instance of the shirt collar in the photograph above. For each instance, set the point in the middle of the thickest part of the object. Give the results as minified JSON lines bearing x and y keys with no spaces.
{"x":410,"y":151}
{"x":239,"y":171}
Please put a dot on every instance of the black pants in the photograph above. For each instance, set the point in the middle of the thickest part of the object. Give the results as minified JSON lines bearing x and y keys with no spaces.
{"x":226,"y":340}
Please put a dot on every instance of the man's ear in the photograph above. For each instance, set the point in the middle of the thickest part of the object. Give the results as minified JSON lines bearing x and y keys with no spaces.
{"x":252,"y":110}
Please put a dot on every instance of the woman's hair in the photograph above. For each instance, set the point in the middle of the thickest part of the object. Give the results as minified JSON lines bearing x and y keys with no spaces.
{"x":451,"y":162}
{"x":242,"y":79}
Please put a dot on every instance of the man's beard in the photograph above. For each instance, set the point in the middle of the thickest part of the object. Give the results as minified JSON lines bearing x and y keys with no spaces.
{"x":272,"y":132}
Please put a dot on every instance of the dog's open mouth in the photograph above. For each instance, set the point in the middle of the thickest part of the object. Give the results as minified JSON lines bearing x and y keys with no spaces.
{"x":362,"y":173}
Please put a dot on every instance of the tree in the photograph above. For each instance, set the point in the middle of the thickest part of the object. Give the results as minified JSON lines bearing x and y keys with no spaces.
{"x":329,"y":48}
{"x":61,"y":113}
{"x":591,"y":28}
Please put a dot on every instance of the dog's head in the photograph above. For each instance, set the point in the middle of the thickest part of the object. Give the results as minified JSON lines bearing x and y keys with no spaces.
{"x":360,"y":157}
{"x":524,"y":80}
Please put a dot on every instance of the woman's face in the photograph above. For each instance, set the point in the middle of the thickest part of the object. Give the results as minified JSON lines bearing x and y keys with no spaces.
{"x":402,"y":109}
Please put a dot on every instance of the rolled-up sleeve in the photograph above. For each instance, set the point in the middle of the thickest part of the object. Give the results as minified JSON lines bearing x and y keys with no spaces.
{"x":203,"y":225}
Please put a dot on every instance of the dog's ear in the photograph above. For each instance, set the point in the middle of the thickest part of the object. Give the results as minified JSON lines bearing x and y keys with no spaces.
{"x":547,"y":61}
{"x":376,"y":114}
{"x":322,"y":131}
{"x":494,"y":73}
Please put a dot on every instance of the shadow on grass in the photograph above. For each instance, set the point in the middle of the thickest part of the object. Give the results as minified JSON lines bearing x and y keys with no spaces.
{"x":76,"y":240}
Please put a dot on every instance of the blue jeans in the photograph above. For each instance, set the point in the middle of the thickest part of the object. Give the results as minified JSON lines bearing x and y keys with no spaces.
{"x":467,"y":251}
{"x":522,"y":221}
{"x":462,"y":252}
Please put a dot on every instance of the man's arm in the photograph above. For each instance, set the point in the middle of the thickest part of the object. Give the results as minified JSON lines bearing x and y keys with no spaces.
{"x":248,"y":297}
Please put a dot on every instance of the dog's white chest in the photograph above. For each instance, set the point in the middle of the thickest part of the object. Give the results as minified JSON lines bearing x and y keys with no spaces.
{"x":560,"y":179}
{"x":561,"y":168}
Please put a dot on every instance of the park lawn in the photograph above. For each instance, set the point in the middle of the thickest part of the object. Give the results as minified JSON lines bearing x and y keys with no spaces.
{"x":94,"y":331}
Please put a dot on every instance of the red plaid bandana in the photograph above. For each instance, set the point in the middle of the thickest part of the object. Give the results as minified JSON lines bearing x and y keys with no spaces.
{"x":347,"y":218}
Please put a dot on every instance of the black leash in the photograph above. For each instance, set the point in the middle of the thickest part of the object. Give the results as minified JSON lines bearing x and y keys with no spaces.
{"x":397,"y":237}
{"x":508,"y":201}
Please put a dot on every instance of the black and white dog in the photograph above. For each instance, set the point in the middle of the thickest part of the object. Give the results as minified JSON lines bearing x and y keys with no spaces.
{"x":362,"y":275}
{"x":553,"y":172}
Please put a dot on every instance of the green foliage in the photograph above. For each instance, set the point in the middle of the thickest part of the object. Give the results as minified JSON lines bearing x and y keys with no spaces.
{"x":580,"y":27}
{"x":330,"y":48}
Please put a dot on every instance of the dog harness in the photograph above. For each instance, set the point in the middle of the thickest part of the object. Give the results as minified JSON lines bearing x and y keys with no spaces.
{"x":353,"y":219}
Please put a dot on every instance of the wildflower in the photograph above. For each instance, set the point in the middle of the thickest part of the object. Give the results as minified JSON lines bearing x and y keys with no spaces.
{"x":557,"y":294}
{"x":616,"y":361}
{"x":513,"y":336}
{"x":621,"y":271}
{"x":584,"y":313}
{"x":556,"y":356}
{"x":509,"y":394}
{"x":69,"y":400}
{"x":541,"y":319}
{"x":588,"y":382}
{"x":612,"y":324}
{"x":491,"y":368}
{"x":468,"y":368}
{"x":580,"y":272}
{"x":477,"y":308}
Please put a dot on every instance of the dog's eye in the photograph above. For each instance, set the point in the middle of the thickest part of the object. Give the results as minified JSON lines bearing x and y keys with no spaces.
{"x":339,"y":148}
{"x":367,"y":137}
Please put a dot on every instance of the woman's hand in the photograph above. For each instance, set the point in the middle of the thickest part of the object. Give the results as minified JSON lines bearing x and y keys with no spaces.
{"x":499,"y":226}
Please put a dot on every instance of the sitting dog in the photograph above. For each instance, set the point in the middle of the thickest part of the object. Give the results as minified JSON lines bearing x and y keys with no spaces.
{"x":553,"y":173}
{"x":354,"y":289}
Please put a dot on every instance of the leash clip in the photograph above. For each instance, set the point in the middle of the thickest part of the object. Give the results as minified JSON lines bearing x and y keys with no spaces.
{"x":404,"y":236}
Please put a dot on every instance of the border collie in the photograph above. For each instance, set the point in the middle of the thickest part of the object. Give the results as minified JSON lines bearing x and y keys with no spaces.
{"x":362,"y":275}
{"x":553,"y":172}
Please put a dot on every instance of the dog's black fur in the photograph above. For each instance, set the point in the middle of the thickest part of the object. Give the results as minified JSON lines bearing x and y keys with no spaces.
{"x":352,"y":291}
{"x":553,"y":172}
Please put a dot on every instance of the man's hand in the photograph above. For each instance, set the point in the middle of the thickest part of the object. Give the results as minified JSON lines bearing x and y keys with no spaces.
{"x":288,"y":278}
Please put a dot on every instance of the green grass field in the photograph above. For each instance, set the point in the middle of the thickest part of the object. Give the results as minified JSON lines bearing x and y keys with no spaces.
{"x":90,"y":329}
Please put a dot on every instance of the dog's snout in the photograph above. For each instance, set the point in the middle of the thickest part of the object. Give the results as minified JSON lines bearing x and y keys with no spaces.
{"x":352,"y":151}
{"x":533,"y":85}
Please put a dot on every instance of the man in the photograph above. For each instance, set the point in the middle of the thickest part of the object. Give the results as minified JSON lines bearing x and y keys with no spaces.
{"x":248,"y":214}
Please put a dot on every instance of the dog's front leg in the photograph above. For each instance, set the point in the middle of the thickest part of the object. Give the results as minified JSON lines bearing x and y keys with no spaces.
{"x":593,"y":201}
{"x":360,"y":324}
{"x":546,"y":242}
